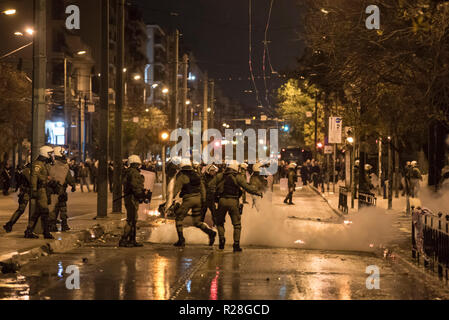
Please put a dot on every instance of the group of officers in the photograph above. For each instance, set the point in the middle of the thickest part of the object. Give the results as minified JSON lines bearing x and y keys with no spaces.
{"x":200,"y":191}
{"x":218,"y":190}
{"x":49,"y":174}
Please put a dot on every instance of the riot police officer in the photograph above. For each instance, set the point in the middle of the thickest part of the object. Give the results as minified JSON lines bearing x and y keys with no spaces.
{"x":210,"y":184}
{"x":39,"y":180}
{"x":193,"y":194}
{"x":134,"y":193}
{"x":24,"y":196}
{"x":292,"y":178}
{"x":229,"y":188}
{"x":259,"y":182}
{"x":60,"y":173}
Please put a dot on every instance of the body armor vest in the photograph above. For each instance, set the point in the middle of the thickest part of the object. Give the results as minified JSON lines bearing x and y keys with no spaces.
{"x":231,"y":189}
{"x":194,"y":186}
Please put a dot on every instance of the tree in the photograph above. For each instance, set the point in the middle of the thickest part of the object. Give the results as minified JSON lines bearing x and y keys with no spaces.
{"x":296,"y":102}
{"x":15,"y":107}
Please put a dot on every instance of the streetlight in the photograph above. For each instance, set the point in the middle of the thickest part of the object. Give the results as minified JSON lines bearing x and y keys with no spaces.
{"x":164,"y":139}
{"x":209,"y":109}
{"x":165,"y":90}
{"x":81,"y":52}
{"x":30,"y":31}
{"x":137,"y":77}
{"x":18,"y":33}
{"x":9,"y":12}
{"x":350,"y":140}
{"x":188,"y":102}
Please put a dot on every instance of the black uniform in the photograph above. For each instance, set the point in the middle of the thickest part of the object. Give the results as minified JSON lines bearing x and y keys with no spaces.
{"x":23,"y":182}
{"x":229,"y":188}
{"x":193,"y":193}
{"x":292,"y":178}
{"x":134,"y":194}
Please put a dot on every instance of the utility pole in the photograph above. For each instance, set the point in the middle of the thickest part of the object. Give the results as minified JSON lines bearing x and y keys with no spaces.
{"x":80,"y":123}
{"x":174,"y":81}
{"x":379,"y":180}
{"x":316,"y":124}
{"x":39,"y":82}
{"x":390,"y":175}
{"x":205,"y":102}
{"x":185,"y":74}
{"x":118,"y":115}
{"x":39,"y":77}
{"x":212,"y":104}
{"x":103,"y":150}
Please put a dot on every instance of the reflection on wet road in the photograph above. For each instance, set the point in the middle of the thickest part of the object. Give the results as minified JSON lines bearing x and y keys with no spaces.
{"x":159,"y":272}
{"x":273,"y":265}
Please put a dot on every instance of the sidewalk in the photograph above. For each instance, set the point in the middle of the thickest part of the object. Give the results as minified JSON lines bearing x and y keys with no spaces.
{"x":15,"y":250}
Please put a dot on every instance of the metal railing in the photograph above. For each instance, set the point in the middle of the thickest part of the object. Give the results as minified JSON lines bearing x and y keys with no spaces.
{"x":430,"y":240}
{"x":367,"y":200}
{"x":343,"y":199}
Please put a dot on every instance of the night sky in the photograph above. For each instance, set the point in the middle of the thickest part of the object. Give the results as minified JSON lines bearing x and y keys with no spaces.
{"x":217,"y":32}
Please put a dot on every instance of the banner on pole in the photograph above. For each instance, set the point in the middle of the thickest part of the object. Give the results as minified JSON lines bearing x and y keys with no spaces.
{"x":335,"y":128}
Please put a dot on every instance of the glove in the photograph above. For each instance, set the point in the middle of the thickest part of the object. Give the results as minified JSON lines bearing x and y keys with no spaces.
{"x":73,"y":189}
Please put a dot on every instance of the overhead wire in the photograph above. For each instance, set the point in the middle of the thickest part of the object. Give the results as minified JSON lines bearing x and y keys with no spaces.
{"x":251,"y":53}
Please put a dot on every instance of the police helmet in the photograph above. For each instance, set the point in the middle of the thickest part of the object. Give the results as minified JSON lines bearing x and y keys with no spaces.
{"x":134,"y":159}
{"x":46,"y":152}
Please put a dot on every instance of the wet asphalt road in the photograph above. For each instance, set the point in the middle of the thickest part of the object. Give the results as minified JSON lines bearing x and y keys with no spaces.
{"x":161,"y":272}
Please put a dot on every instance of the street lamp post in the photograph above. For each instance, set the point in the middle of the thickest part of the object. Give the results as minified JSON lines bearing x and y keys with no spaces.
{"x":164,"y":138}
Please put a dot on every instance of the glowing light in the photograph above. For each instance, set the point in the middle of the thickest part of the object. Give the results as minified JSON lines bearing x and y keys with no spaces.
{"x":217,"y":144}
{"x":146,"y":110}
{"x":154,"y":86}
{"x":18,"y":33}
{"x":209,"y":109}
{"x":124,"y":69}
{"x":350,"y":139}
{"x":137,"y":77}
{"x":319,"y":145}
{"x":154,"y":213}
{"x":299,"y":242}
{"x":80,"y":53}
{"x":29,"y":31}
{"x":10,"y":12}
{"x":164,"y":136}
{"x":324,"y":11}
{"x":188,"y":102}
{"x":165,"y":90}
{"x":347,"y":222}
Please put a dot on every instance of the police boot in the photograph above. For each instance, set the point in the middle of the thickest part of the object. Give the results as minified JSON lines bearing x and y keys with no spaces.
{"x":123,"y":242}
{"x":52,"y":226}
{"x":29,"y":234}
{"x":221,"y":243}
{"x":8,"y":227}
{"x":236,"y":247}
{"x":133,"y":242}
{"x":212,"y":235}
{"x":46,"y":227}
{"x":64,"y":226}
{"x":181,"y":241}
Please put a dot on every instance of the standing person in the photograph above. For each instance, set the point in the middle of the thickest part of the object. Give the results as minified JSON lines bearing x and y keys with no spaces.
{"x":94,"y":175}
{"x":193,"y":193}
{"x":243,"y":169}
{"x":134,"y":193}
{"x":60,"y":173}
{"x":229,"y":189}
{"x":259,"y":182}
{"x":83,"y":174}
{"x":303,"y":172}
{"x":315,"y":173}
{"x":24,"y":184}
{"x":415,"y":178}
{"x":6,"y":178}
{"x":407,"y":176}
{"x":39,"y":180}
{"x":110,"y":175}
{"x":292,"y":178}
{"x":210,"y":183}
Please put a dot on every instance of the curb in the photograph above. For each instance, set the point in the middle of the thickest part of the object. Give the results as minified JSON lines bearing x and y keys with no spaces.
{"x":13,"y":261}
{"x":337,"y":212}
